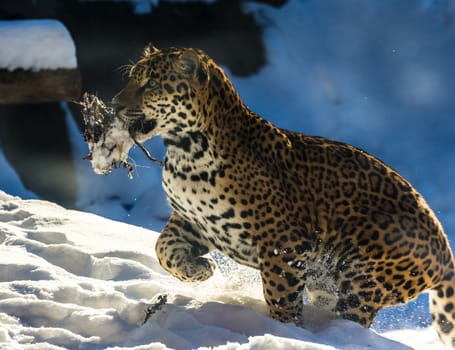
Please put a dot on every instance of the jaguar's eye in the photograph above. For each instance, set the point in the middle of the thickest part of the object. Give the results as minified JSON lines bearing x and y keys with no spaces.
{"x":152,"y":84}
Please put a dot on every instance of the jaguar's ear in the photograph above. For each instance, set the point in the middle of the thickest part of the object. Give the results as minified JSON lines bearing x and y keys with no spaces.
{"x":149,"y":49}
{"x":190,"y":66}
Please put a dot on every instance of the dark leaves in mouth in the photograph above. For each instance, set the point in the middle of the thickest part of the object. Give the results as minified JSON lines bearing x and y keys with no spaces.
{"x":97,"y":117}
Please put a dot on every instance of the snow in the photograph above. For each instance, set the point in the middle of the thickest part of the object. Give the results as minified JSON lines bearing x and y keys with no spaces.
{"x":70,"y":280}
{"x":36,"y":45}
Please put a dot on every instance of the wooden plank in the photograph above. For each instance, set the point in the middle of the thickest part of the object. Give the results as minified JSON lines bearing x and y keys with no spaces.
{"x":23,"y":86}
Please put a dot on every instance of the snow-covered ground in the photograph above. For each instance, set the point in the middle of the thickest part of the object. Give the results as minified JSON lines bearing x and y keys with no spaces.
{"x":36,"y":44}
{"x":73,"y":280}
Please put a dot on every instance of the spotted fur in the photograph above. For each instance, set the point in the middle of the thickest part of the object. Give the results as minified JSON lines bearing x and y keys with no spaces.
{"x":314,"y":215}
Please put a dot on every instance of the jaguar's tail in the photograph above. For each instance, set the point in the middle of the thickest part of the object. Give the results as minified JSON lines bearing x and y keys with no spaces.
{"x":442,"y":307}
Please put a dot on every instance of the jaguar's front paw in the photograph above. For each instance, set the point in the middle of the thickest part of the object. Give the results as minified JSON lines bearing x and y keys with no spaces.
{"x":194,"y":270}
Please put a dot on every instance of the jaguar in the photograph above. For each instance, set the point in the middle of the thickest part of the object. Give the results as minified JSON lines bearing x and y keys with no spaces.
{"x":316,"y":217}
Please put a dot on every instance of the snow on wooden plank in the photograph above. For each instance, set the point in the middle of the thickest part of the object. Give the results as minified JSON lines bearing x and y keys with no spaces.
{"x":37,"y":62}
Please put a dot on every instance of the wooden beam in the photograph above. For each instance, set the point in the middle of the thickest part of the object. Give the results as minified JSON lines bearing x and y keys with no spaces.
{"x":24,"y":86}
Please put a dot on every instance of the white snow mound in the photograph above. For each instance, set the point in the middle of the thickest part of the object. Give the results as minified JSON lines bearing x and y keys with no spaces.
{"x":36,"y":45}
{"x":75,"y":280}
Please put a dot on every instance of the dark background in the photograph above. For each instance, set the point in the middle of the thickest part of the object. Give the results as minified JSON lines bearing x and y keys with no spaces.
{"x":107,"y":36}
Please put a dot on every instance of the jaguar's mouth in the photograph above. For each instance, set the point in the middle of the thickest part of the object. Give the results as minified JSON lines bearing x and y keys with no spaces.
{"x":110,"y":134}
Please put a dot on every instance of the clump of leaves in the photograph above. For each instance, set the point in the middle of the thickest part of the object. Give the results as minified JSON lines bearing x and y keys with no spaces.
{"x":98,"y":119}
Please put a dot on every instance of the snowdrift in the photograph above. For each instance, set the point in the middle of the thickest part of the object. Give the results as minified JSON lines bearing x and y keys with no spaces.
{"x":71,"y":280}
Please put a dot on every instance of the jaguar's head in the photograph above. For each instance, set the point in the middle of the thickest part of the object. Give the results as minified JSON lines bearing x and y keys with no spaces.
{"x":164,"y":96}
{"x":164,"y":93}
